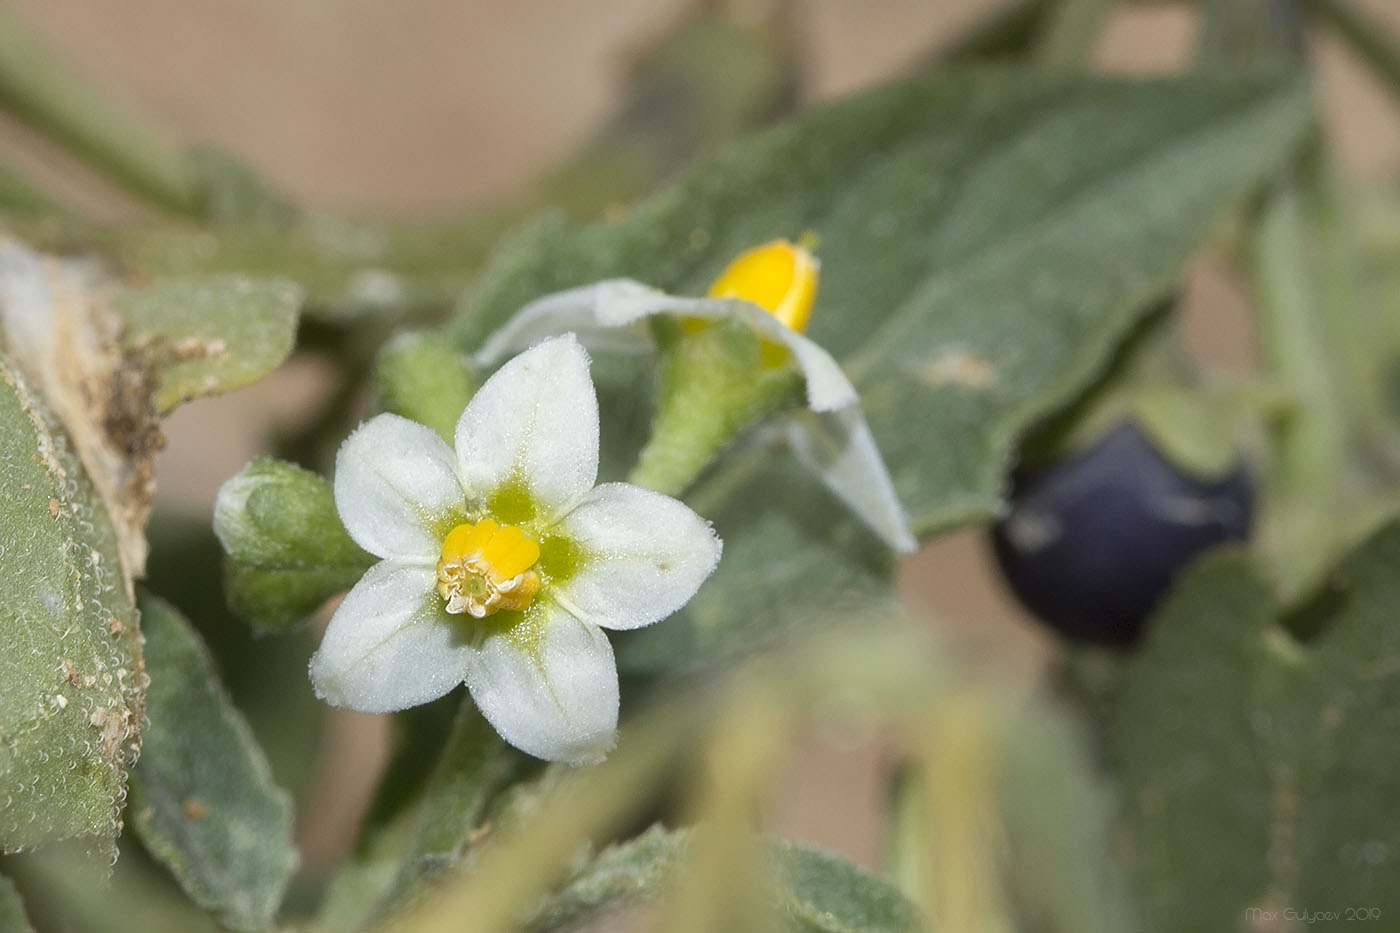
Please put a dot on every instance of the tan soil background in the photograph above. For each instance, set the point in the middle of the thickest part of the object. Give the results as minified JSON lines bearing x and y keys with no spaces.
{"x":416,"y":106}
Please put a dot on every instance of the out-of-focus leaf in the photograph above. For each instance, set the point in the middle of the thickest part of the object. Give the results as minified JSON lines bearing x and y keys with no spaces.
{"x":287,"y":550}
{"x":12,"y":919}
{"x":203,"y":799}
{"x":209,"y":335}
{"x":1259,"y":773}
{"x":1327,"y":336}
{"x":793,"y":556}
{"x":72,"y":682}
{"x":66,"y":889}
{"x":986,"y":240}
{"x":813,"y":891}
{"x":1056,"y":819}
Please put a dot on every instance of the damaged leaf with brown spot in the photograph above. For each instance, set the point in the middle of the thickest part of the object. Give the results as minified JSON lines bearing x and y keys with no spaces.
{"x":202,"y":336}
{"x":88,"y":365}
{"x":61,"y":330}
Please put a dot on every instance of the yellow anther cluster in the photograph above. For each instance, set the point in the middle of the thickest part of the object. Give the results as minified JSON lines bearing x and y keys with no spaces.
{"x":779,"y":276}
{"x":486,"y":567}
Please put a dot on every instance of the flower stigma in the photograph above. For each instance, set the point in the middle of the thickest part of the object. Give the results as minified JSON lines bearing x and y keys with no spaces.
{"x":779,"y":276}
{"x":486,"y":567}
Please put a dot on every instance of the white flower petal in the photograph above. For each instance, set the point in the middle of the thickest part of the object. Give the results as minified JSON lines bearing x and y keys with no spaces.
{"x":838,"y":447}
{"x":622,"y":303}
{"x":535,"y":422}
{"x":574,"y":310}
{"x":645,"y":556}
{"x":827,"y":386}
{"x":605,"y":313}
{"x":388,"y":646}
{"x":393,"y":478}
{"x":552,"y":693}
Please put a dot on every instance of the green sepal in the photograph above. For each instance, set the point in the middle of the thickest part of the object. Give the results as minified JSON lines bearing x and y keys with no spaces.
{"x":426,"y":379}
{"x":811,"y":890}
{"x":287,"y":549}
{"x":714,"y":380}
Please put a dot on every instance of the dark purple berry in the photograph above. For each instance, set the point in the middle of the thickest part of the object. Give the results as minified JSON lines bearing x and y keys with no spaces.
{"x":1093,"y":542}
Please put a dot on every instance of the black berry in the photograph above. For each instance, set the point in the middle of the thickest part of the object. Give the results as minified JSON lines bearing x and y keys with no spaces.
{"x":1092,"y":542}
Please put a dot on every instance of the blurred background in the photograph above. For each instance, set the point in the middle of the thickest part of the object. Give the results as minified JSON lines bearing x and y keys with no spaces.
{"x":430,"y":107}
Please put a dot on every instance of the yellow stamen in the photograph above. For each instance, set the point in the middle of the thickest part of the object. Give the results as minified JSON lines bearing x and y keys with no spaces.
{"x":779,"y":277}
{"x":486,"y":567}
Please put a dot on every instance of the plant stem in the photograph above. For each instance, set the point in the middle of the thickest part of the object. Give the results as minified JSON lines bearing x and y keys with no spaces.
{"x":20,"y":195}
{"x":36,"y":87}
{"x":1007,"y":32}
{"x":1367,"y":39}
{"x":476,"y":765}
{"x":1067,"y":41}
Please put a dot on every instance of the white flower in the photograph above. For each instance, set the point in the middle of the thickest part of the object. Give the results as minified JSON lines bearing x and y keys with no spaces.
{"x":502,"y":562}
{"x":771,"y":288}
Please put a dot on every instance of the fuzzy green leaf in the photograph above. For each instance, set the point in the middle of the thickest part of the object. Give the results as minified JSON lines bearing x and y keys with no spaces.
{"x":209,"y":335}
{"x":814,"y":891}
{"x":1258,"y":771}
{"x":986,"y":240}
{"x":202,"y":795}
{"x":823,"y":892}
{"x":287,"y":550}
{"x":203,"y":799}
{"x":72,"y":682}
{"x":625,"y":874}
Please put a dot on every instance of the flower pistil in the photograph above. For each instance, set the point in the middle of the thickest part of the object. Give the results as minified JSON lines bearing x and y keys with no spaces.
{"x":486,"y":567}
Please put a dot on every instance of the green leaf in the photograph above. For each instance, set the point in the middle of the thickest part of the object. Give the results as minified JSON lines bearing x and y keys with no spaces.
{"x":72,"y":682}
{"x":203,"y":799}
{"x":814,"y":891}
{"x":211,"y":334}
{"x":986,"y":240}
{"x":618,"y":877}
{"x":1259,"y":773}
{"x":287,"y":550}
{"x":12,"y":919}
{"x":821,"y":891}
{"x":793,"y":557}
{"x":1327,"y":340}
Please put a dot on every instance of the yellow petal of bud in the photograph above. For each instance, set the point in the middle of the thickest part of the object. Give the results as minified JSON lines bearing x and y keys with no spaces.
{"x":780,"y":277}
